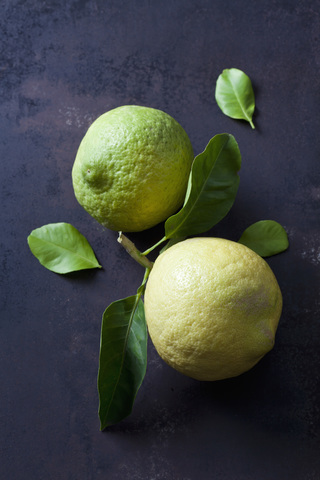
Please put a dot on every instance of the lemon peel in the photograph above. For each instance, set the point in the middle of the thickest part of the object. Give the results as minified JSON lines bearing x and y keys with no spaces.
{"x":132,"y":167}
{"x":212,"y":308}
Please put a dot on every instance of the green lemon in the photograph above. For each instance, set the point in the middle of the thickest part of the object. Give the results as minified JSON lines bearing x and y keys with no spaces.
{"x":132,"y":167}
{"x":212,"y":308}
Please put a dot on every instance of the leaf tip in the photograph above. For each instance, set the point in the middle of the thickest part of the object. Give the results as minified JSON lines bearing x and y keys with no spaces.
{"x":102,"y":427}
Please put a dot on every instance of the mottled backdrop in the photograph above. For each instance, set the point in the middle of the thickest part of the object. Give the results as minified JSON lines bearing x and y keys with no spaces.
{"x":62,"y":64}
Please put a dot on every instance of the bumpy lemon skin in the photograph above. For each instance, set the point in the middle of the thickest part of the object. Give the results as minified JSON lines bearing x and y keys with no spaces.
{"x":212,"y":308}
{"x":132,"y":167}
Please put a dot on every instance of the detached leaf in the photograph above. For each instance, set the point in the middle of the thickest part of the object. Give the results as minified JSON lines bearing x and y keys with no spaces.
{"x":234,"y":95}
{"x":61,"y":248}
{"x":266,"y":238}
{"x":123,"y":358}
{"x":213,"y":185}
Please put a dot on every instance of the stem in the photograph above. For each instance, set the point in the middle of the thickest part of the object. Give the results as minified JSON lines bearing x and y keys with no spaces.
{"x":146,"y":252}
{"x":142,"y":287}
{"x":134,"y":252}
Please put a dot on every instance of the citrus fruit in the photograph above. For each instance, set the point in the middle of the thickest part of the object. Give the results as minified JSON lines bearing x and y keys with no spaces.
{"x":132,"y":167}
{"x":212,"y":307}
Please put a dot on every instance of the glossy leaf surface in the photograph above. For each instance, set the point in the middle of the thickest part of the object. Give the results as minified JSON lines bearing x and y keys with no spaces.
{"x":123,"y":358}
{"x":213,"y":185}
{"x":61,"y":248}
{"x":266,"y":238}
{"x":234,"y":95}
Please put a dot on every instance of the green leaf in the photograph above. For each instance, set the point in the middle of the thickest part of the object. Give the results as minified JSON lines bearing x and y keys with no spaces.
{"x":266,"y":238}
{"x":234,"y":95}
{"x":61,"y":248}
{"x":123,"y":358}
{"x":213,"y":186}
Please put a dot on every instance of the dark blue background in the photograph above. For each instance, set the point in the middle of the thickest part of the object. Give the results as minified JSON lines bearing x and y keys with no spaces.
{"x":65,"y":62}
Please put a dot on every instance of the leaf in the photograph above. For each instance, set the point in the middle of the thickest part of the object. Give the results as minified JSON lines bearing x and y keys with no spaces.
{"x":234,"y":95}
{"x":61,"y":248}
{"x":266,"y":238}
{"x":213,"y":186}
{"x":123,"y":358}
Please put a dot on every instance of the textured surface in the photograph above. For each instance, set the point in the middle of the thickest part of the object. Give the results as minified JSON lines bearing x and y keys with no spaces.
{"x":132,"y":167}
{"x":65,"y":62}
{"x":212,"y":307}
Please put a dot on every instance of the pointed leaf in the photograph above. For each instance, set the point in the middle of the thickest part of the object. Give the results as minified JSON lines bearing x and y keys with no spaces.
{"x":123,"y":358}
{"x":61,"y":248}
{"x":212,"y":188}
{"x":266,"y":238}
{"x":234,"y":95}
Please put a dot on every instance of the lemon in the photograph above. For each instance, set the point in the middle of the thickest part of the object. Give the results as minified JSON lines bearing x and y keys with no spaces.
{"x":212,"y":307}
{"x":132,"y":167}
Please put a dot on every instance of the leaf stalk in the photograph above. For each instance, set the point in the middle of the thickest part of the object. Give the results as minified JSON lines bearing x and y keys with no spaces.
{"x":146,"y":252}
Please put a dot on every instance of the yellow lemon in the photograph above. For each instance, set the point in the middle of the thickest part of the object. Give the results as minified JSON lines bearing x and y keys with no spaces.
{"x":212,"y":307}
{"x":132,"y":167}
